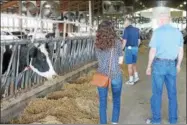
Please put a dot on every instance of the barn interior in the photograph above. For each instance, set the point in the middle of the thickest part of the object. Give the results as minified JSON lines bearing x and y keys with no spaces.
{"x":67,"y":30}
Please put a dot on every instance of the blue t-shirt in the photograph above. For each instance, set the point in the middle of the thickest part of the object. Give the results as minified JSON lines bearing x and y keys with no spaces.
{"x":131,"y":35}
{"x":167,"y":40}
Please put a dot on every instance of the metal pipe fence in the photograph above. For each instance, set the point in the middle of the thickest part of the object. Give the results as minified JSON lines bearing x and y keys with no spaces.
{"x":65,"y":55}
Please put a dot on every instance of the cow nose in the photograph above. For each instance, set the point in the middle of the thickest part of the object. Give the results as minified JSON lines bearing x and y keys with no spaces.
{"x":54,"y":76}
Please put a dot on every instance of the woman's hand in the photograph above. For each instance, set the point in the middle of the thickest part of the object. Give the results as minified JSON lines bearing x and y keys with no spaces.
{"x":120,"y":60}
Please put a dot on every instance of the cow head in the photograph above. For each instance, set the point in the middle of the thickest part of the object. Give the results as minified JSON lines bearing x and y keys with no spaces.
{"x":40,"y":61}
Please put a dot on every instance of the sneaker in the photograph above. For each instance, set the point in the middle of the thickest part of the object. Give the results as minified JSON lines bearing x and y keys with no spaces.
{"x":149,"y":121}
{"x":136,"y":79}
{"x":130,"y":83}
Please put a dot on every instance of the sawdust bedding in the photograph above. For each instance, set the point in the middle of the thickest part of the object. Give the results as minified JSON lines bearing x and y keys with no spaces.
{"x":75,"y":103}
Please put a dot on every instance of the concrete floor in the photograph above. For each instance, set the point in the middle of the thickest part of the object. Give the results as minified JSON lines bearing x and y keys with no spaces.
{"x":135,"y":106}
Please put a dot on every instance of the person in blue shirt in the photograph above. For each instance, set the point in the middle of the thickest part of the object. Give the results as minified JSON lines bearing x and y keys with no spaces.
{"x":131,"y":41}
{"x":165,"y":57}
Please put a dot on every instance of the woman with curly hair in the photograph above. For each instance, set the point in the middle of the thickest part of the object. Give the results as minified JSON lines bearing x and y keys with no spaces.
{"x":106,"y":43}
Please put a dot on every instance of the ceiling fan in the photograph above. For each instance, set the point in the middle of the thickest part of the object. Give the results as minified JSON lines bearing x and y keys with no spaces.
{"x":113,"y":7}
{"x":82,"y":16}
{"x":30,"y":7}
{"x":50,"y":9}
{"x":69,"y":15}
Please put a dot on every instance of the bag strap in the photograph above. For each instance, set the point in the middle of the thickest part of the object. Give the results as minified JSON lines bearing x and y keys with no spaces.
{"x":110,"y":62}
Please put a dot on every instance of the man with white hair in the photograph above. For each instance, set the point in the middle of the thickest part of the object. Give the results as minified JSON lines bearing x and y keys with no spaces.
{"x":165,"y":57}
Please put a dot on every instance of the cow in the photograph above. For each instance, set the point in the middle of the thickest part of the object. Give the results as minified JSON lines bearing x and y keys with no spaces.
{"x":38,"y":57}
{"x":35,"y":57}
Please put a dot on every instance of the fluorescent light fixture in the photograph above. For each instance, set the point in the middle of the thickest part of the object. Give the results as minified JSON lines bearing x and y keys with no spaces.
{"x":184,"y":2}
{"x":172,"y":9}
{"x":47,"y":6}
{"x":150,"y":10}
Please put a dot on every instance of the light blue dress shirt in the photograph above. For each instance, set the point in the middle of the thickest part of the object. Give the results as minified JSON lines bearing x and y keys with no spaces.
{"x":167,"y":40}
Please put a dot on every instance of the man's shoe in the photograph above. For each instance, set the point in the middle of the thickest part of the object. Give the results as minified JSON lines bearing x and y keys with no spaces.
{"x":149,"y":121}
{"x":136,"y":79}
{"x":130,"y":82}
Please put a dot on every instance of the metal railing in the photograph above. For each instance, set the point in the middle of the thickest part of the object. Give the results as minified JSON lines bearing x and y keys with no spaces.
{"x":66,"y":56}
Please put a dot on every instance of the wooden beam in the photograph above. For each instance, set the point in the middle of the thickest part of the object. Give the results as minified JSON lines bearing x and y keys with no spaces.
{"x":73,"y":5}
{"x":64,"y":5}
{"x":9,"y":4}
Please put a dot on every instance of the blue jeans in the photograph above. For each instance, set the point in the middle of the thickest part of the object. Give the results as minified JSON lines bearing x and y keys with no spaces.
{"x":131,"y":55}
{"x":116,"y":85}
{"x":164,"y":71}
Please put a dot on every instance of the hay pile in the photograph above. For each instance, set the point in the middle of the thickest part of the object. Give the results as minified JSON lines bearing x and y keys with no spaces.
{"x":76,"y":103}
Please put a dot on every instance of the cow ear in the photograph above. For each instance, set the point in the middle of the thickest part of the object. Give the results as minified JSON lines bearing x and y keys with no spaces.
{"x":33,"y":52}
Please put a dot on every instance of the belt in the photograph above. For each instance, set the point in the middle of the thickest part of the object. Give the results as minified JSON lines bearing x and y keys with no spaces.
{"x":165,"y":59}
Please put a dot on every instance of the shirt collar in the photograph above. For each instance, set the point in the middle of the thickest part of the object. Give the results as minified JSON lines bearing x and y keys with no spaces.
{"x":166,"y":25}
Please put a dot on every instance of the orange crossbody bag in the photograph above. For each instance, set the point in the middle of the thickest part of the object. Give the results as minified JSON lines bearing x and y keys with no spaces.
{"x":101,"y":80}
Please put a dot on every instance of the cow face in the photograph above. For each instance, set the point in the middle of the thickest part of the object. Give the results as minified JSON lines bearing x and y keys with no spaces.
{"x":40,"y":62}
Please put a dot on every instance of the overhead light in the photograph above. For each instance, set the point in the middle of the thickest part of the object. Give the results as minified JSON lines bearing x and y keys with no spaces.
{"x":47,"y":6}
{"x":181,"y":5}
{"x":184,"y":2}
{"x":140,"y":3}
{"x":172,"y":9}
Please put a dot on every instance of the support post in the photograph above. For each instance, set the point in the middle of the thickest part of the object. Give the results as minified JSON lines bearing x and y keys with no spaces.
{"x":90,"y":14}
{"x":64,"y":32}
{"x":20,"y":13}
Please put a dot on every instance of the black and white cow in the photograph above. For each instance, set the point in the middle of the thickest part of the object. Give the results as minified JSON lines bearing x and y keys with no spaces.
{"x":38,"y":57}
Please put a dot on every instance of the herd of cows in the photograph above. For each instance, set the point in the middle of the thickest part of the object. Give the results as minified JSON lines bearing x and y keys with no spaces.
{"x":34,"y":56}
{"x":38,"y":55}
{"x":146,"y":33}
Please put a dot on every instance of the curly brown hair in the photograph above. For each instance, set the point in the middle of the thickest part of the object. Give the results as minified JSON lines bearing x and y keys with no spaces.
{"x":105,"y":35}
